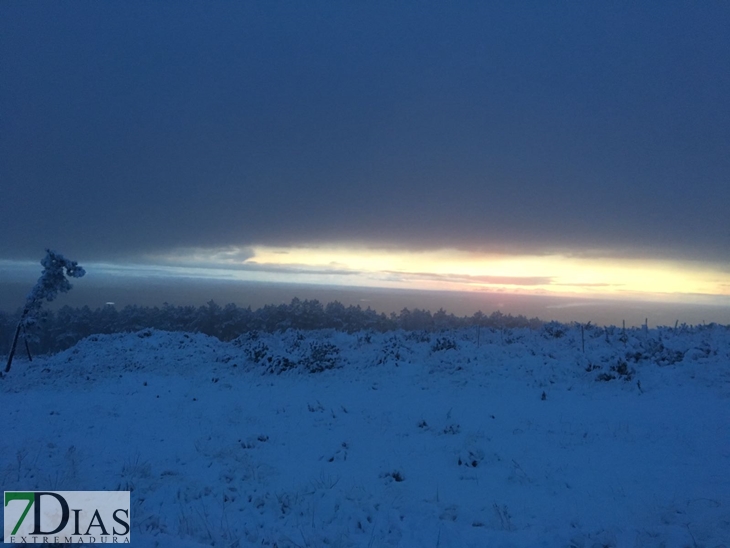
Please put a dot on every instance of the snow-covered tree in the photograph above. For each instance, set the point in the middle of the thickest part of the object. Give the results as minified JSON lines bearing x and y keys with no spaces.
{"x":54,"y":280}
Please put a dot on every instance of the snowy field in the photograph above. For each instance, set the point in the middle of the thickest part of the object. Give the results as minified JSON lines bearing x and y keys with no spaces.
{"x":507,"y":438}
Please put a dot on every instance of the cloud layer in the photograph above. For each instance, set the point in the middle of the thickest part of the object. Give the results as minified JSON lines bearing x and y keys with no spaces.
{"x":140,"y":128}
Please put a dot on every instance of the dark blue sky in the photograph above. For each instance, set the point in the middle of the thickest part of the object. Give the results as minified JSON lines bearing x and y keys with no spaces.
{"x":137,"y":127}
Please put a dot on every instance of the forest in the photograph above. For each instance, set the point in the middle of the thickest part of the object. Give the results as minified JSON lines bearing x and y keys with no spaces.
{"x":53,"y":331}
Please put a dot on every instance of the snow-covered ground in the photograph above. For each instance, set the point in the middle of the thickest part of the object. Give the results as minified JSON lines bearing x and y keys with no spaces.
{"x":505,"y":438}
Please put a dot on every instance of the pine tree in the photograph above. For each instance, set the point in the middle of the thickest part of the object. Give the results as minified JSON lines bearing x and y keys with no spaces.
{"x":53,"y":281}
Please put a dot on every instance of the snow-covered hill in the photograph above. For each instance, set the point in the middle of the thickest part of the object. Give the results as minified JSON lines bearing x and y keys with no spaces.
{"x":497,"y":438}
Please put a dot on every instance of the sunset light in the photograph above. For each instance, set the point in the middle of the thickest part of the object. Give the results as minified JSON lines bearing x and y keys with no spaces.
{"x":457,"y":270}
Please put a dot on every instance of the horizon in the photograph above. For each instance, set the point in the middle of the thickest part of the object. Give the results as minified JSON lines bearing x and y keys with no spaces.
{"x":97,"y":291}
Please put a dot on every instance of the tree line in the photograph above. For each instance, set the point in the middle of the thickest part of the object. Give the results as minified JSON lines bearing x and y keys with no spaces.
{"x":53,"y":331}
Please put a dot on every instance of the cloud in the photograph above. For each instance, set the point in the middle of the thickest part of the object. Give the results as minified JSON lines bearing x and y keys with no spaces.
{"x":482,"y":280}
{"x":589,"y":284}
{"x":289,"y":126}
{"x":229,"y":256}
{"x":235,"y":259}
{"x":298,"y":269}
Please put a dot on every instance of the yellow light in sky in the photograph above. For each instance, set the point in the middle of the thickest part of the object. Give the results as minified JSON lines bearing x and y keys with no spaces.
{"x":450,"y":269}
{"x":554,"y":274}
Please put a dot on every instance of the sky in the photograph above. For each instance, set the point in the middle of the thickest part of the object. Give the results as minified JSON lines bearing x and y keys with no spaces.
{"x":534,"y":148}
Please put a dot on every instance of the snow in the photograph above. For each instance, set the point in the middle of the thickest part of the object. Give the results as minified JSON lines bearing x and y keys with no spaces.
{"x":398,"y":439}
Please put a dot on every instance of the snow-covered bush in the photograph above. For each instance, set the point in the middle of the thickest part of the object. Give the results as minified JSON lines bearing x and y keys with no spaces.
{"x":553,"y":330}
{"x":322,"y":356}
{"x":444,"y":343}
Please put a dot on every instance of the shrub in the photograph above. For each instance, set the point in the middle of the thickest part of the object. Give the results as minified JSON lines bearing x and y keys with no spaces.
{"x":443,"y":343}
{"x":322,"y":356}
